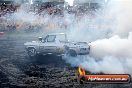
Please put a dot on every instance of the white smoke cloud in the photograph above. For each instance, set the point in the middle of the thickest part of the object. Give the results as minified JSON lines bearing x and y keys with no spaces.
{"x":113,"y":54}
{"x":24,"y":15}
{"x":115,"y":46}
{"x":120,"y":13}
{"x":110,"y":56}
{"x":108,"y":64}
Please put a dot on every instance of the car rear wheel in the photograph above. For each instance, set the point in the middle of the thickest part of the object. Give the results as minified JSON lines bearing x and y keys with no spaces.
{"x":69,"y":52}
{"x":72,"y":53}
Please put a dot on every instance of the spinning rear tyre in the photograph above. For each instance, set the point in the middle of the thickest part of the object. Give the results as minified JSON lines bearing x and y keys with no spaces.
{"x":72,"y":53}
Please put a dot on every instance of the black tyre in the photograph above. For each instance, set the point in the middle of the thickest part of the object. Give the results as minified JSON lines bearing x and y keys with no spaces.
{"x":72,"y":53}
{"x":31,"y":52}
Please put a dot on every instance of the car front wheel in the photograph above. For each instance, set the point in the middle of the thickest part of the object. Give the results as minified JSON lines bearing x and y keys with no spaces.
{"x":31,"y":52}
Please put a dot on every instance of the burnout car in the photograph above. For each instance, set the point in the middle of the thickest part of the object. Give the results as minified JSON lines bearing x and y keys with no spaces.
{"x":56,"y":44}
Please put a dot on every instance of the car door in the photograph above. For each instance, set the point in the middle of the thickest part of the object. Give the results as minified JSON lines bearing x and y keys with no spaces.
{"x":49,"y":44}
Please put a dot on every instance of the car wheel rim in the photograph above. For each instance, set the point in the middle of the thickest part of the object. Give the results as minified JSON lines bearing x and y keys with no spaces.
{"x":32,"y":52}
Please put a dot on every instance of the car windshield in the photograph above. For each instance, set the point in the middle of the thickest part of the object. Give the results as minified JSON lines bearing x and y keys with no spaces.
{"x":50,"y":38}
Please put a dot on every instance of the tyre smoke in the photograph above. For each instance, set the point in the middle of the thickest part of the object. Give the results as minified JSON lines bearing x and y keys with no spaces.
{"x":110,"y":56}
{"x":110,"y":53}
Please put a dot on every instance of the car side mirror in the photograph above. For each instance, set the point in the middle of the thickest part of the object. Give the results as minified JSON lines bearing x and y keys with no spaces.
{"x":40,"y":39}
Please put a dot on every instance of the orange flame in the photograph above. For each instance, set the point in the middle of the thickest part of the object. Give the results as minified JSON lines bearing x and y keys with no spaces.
{"x":81,"y":71}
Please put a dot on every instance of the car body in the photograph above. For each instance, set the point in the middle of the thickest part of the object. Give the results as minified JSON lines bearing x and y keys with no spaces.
{"x":57,"y":44}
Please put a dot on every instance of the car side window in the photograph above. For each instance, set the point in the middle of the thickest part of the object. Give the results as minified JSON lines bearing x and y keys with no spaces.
{"x":50,"y":38}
